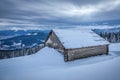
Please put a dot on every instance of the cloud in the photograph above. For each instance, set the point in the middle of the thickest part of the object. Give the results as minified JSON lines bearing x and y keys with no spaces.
{"x":52,"y":12}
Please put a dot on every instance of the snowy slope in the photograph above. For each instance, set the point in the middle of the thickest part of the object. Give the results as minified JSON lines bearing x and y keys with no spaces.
{"x":48,"y":64}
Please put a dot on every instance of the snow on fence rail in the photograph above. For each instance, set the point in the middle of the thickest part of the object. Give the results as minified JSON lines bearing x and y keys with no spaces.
{"x":19,"y":52}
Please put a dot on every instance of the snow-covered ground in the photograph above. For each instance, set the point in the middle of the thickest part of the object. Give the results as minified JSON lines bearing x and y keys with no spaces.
{"x":48,"y":64}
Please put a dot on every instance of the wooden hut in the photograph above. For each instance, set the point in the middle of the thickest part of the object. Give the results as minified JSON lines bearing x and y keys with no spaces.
{"x":75,"y":44}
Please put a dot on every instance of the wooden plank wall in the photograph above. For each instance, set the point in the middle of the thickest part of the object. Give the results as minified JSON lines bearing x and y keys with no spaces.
{"x":72,"y":54}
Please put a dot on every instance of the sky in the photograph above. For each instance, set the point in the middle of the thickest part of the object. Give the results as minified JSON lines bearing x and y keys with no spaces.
{"x":37,"y":13}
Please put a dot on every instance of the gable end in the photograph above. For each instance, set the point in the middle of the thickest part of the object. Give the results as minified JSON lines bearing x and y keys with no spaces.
{"x":54,"y":42}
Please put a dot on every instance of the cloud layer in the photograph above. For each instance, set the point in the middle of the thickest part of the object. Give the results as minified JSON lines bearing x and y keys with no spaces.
{"x":57,"y":12}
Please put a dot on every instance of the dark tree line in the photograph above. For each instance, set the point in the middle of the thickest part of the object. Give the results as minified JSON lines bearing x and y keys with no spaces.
{"x":20,"y":52}
{"x":111,"y":36}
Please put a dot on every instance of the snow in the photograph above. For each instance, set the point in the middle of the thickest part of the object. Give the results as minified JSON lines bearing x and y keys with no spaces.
{"x":79,"y":38}
{"x":29,"y":34}
{"x":35,"y":34}
{"x":116,"y":48}
{"x":48,"y":64}
{"x":32,"y":34}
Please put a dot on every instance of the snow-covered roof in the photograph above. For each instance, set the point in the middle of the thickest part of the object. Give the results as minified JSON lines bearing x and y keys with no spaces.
{"x":79,"y":38}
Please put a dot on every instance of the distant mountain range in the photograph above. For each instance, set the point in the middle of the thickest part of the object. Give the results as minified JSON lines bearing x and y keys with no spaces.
{"x":21,"y":38}
{"x":110,"y":30}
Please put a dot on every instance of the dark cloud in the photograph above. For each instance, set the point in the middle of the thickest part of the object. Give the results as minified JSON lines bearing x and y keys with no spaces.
{"x":53,"y":12}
